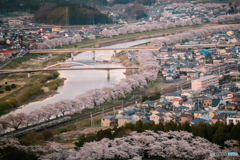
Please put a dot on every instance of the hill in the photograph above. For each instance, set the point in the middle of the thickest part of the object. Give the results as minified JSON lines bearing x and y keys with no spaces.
{"x":77,"y":15}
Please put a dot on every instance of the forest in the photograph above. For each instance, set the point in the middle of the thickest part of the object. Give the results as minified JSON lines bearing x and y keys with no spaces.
{"x":34,"y":5}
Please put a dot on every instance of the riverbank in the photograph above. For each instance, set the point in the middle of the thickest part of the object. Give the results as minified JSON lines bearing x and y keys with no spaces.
{"x":103,"y":42}
{"x":18,"y":89}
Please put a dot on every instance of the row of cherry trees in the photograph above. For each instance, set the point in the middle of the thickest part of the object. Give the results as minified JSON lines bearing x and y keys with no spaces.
{"x":148,"y":70}
{"x":127,"y":29}
{"x":175,"y":144}
{"x":172,"y":39}
{"x":56,"y":42}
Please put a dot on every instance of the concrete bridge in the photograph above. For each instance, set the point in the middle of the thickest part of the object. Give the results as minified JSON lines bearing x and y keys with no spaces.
{"x":29,"y":71}
{"x":93,"y":50}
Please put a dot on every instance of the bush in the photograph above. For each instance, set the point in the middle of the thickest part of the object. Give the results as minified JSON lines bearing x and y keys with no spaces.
{"x":55,"y":74}
{"x":8,"y":88}
{"x":6,"y":83}
{"x":1,"y":92}
{"x":13,"y":86}
{"x":13,"y":102}
{"x":33,"y":90}
{"x":48,"y":135}
{"x":64,"y":129}
{"x":14,"y":153}
{"x":32,"y":138}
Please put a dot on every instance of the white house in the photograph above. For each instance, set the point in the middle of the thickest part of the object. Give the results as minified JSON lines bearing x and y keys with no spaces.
{"x":233,"y":119}
{"x":189,"y":104}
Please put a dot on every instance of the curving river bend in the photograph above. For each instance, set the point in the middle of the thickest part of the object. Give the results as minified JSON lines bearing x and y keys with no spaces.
{"x":78,"y":82}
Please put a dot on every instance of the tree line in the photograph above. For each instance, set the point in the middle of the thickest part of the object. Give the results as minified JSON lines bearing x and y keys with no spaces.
{"x":216,"y":133}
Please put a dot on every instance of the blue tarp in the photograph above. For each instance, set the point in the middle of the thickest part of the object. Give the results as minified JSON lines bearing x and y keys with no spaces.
{"x":205,"y":52}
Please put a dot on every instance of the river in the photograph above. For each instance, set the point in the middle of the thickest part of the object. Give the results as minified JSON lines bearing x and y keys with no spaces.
{"x":78,"y":82}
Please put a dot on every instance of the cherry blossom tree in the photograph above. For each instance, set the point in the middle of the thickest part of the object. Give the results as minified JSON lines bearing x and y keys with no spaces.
{"x":92,"y":36}
{"x":197,"y":21}
{"x":14,"y":121}
{"x":63,"y":106}
{"x":106,"y":33}
{"x":50,"y":110}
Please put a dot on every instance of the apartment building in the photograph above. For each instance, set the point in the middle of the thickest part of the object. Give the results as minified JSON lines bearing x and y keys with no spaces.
{"x":204,"y":82}
{"x":220,"y":68}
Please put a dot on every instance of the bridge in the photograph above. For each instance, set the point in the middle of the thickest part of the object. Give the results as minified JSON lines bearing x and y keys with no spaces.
{"x":29,"y":71}
{"x":93,"y":50}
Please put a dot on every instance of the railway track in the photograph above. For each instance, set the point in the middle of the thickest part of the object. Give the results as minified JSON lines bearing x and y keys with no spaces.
{"x":107,"y":110}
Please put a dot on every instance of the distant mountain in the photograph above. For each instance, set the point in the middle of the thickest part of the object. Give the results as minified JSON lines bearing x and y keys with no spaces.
{"x":33,"y":5}
{"x":77,"y":15}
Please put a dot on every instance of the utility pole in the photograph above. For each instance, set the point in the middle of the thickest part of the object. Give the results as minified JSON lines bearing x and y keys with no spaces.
{"x":122,"y":105}
{"x":114,"y":110}
{"x":92,"y":122}
{"x":103,"y":111}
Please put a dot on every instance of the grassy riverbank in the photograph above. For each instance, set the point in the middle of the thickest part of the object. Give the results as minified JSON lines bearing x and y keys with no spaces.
{"x":27,"y":89}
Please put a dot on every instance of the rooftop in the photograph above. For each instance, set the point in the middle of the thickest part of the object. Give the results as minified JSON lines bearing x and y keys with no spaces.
{"x":205,"y":78}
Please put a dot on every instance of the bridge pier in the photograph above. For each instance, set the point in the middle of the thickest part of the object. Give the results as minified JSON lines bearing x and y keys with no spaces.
{"x":29,"y":75}
{"x":108,"y":74}
{"x":93,"y":54}
{"x":72,"y":56}
{"x":115,"y":53}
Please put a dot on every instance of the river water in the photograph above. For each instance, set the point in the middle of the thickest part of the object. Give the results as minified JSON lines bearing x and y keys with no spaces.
{"x":78,"y":82}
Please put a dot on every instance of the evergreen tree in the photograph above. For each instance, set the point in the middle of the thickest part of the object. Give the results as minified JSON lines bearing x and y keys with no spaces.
{"x":235,"y":132}
{"x":138,"y":126}
{"x":219,"y":137}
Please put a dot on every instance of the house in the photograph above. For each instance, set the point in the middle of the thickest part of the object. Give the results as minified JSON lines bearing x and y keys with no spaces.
{"x":190,"y":93}
{"x":158,"y":110}
{"x":211,"y":88}
{"x":172,"y":95}
{"x":215,"y":104}
{"x":108,"y":121}
{"x":206,"y":117}
{"x":197,"y":114}
{"x":173,"y":118}
{"x":163,"y":49}
{"x":197,"y":121}
{"x":181,"y":108}
{"x":176,"y":101}
{"x":169,"y":77}
{"x":207,"y":102}
{"x":230,"y":96}
{"x":231,"y":106}
{"x":138,"y":116}
{"x":149,"y":103}
{"x":124,"y":119}
{"x":157,"y":117}
{"x":166,"y":105}
{"x":213,"y":113}
{"x":186,"y":69}
{"x":220,"y":118}
{"x":235,"y":119}
{"x":189,"y":104}
{"x":186,"y":117}
{"x":9,"y":41}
